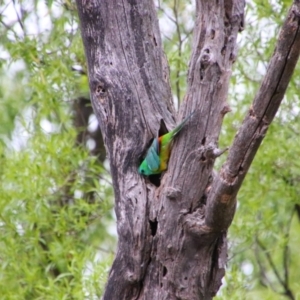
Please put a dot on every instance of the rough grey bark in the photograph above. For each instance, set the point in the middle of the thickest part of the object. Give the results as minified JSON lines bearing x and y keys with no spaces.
{"x":172,"y":238}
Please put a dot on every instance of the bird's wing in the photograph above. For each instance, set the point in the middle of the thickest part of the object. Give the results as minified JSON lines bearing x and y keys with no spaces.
{"x":152,"y":157}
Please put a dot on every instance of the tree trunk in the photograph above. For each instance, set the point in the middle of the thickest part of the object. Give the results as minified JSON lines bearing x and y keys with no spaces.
{"x":172,"y":235}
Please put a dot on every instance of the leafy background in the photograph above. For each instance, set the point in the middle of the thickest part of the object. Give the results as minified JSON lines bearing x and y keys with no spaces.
{"x":57,"y":225}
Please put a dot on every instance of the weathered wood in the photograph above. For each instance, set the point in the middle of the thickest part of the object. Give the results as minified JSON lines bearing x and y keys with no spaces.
{"x":190,"y":260}
{"x":172,"y":238}
{"x":130,"y":93}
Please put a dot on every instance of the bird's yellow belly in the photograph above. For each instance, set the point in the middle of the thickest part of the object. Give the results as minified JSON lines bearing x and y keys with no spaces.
{"x":163,"y":166}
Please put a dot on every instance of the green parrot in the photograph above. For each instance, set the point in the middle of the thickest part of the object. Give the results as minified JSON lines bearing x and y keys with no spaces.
{"x":157,"y":157}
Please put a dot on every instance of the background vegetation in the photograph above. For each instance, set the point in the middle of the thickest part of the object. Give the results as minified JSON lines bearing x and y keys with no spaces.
{"x":57,"y":231}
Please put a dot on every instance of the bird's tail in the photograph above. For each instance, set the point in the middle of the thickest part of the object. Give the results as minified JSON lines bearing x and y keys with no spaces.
{"x":181,"y":125}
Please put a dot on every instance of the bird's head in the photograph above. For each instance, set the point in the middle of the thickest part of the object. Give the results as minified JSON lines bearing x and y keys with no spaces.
{"x":144,"y":169}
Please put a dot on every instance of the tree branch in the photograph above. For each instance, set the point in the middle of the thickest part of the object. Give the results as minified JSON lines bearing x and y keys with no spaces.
{"x":222,"y":199}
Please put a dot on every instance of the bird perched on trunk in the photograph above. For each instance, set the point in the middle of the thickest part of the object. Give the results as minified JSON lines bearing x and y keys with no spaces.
{"x":157,"y":157}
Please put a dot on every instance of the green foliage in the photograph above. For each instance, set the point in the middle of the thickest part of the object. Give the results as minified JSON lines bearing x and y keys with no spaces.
{"x":176,"y":22}
{"x":56,"y":199}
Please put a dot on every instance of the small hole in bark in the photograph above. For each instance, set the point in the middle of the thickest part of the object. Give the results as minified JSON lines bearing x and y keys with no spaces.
{"x":203,"y":141}
{"x":201,"y":72}
{"x":206,"y":50}
{"x":203,"y":199}
{"x":100,"y":89}
{"x":232,"y":57}
{"x":212,"y":34}
{"x":153,"y":226}
{"x":223,"y":50}
{"x":185,"y":278}
{"x":162,"y":128}
{"x":165,"y":271}
{"x":251,"y":112}
{"x":155,"y":179}
{"x":203,"y":158}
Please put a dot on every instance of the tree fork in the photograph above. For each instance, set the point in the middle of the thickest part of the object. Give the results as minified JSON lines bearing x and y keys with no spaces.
{"x":172,"y":238}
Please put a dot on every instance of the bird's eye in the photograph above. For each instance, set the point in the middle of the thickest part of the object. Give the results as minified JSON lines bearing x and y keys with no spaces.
{"x":143,"y":171}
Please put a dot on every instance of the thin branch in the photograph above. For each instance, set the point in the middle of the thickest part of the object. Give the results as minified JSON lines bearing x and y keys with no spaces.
{"x":19,"y":18}
{"x":108,"y":251}
{"x":284,"y":282}
{"x":270,"y":261}
{"x":167,"y":15}
{"x":105,"y":180}
{"x":222,"y":199}
{"x":234,"y":254}
{"x":265,"y":281}
{"x":248,"y":77}
{"x":4,"y":9}
{"x":286,"y":256}
{"x":7,"y":27}
{"x":175,"y":11}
